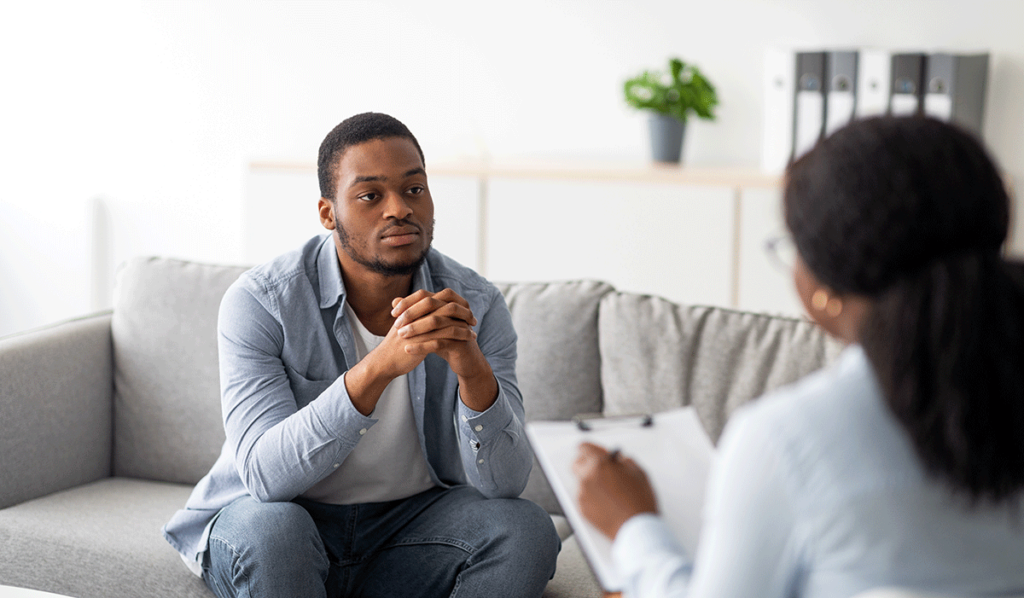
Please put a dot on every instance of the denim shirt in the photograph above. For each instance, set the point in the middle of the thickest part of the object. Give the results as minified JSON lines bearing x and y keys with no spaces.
{"x":285,"y":343}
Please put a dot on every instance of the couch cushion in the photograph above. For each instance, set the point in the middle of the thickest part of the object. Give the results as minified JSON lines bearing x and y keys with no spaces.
{"x":656,"y":355}
{"x":559,"y":365}
{"x":103,"y":540}
{"x":573,"y":577}
{"x":100,"y":540}
{"x":167,"y":417}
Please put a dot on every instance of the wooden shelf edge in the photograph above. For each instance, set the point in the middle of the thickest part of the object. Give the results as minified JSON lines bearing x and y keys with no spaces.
{"x":650,"y":173}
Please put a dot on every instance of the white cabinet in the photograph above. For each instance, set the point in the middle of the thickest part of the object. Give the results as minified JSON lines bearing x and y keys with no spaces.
{"x":692,"y":236}
{"x":657,"y":238}
{"x":761,"y":285}
{"x":458,"y":230}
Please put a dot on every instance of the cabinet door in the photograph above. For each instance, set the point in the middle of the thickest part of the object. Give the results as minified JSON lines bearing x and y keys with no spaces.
{"x":457,"y":213}
{"x":763,"y":286}
{"x":675,"y":241}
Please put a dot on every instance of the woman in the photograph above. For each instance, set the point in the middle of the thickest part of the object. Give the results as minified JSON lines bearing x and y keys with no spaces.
{"x":902,"y":464}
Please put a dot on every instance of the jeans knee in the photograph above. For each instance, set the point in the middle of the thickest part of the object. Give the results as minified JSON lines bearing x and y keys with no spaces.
{"x":529,"y":530}
{"x":540,"y":530}
{"x":282,"y":523}
{"x":269,"y":532}
{"x":521,"y":554}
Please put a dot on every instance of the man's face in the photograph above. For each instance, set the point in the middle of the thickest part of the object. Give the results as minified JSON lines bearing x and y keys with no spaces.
{"x":382,"y":213}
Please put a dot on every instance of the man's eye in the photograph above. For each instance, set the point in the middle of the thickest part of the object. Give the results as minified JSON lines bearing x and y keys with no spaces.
{"x":368,"y":196}
{"x":416,"y":190}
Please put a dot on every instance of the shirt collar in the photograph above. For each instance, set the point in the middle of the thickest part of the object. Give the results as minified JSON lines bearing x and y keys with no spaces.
{"x":332,"y":285}
{"x":422,"y":275}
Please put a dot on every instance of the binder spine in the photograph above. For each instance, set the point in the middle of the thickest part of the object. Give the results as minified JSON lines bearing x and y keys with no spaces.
{"x":809,"y":115}
{"x":907,"y":84}
{"x":841,"y":101}
{"x":873,"y":83}
{"x":779,"y":95}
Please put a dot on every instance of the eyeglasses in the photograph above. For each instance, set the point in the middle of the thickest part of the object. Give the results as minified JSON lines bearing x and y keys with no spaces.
{"x":781,"y":252}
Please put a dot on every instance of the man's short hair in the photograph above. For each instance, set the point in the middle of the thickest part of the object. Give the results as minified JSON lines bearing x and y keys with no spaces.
{"x":352,"y":131}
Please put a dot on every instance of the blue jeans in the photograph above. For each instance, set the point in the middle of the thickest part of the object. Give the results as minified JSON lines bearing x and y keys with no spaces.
{"x":442,"y":542}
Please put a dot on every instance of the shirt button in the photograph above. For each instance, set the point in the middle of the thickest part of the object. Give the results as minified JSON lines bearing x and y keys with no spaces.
{"x":478,"y":428}
{"x":465,"y":419}
{"x":363,"y":431}
{"x":480,"y":461}
{"x":337,"y":465}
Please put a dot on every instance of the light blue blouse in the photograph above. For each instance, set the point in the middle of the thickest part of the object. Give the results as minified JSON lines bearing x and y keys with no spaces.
{"x":818,"y":492}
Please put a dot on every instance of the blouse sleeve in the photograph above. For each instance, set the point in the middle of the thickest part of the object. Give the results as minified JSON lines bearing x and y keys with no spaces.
{"x":748,"y":544}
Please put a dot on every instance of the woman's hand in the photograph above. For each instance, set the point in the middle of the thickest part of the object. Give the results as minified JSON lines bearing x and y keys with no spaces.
{"x":612,"y":489}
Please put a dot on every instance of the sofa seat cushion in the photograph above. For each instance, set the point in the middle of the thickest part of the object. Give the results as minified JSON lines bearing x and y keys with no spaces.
{"x":103,"y":540}
{"x":573,"y":578}
{"x":96,"y":541}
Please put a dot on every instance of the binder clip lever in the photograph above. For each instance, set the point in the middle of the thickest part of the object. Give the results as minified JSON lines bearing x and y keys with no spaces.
{"x":587,"y":421}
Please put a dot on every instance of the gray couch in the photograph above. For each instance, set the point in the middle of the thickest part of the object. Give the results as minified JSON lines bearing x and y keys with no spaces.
{"x":109,"y":420}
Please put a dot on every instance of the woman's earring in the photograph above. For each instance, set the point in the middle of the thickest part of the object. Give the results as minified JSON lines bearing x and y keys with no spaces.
{"x":821,"y":301}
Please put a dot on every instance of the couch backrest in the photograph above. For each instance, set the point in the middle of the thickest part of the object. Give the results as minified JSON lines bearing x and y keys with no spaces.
{"x":559,"y":364}
{"x":583,"y":348}
{"x":167,"y":416}
{"x":657,"y":355}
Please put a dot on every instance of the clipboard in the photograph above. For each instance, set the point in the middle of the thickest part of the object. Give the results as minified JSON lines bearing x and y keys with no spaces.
{"x":671,"y":446}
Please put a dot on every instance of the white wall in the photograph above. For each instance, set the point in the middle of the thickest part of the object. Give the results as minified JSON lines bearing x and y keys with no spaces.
{"x":156,"y":106}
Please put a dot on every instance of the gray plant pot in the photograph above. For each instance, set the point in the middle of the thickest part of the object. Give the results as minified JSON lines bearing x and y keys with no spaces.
{"x":666,"y":138}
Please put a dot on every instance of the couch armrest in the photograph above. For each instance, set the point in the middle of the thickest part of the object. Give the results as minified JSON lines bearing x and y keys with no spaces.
{"x":56,"y":387}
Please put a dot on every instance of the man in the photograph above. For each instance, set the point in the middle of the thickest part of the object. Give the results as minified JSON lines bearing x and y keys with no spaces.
{"x":375,"y":441}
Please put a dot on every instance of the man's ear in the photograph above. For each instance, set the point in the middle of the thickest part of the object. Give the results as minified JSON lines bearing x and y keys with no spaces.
{"x":326,"y":209}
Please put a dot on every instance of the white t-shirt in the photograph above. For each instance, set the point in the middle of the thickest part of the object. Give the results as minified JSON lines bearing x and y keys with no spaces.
{"x":388,"y":463}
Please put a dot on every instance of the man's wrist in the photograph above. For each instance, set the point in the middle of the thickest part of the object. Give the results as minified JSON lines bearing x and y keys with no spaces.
{"x":365,"y":382}
{"x":480,"y":391}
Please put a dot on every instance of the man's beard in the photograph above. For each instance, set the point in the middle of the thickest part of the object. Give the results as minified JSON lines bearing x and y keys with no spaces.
{"x":375,"y":263}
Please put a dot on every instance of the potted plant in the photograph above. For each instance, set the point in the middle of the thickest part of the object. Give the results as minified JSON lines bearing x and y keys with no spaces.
{"x":671,"y":97}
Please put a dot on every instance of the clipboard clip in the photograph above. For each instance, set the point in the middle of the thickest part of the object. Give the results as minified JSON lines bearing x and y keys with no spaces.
{"x":587,"y":421}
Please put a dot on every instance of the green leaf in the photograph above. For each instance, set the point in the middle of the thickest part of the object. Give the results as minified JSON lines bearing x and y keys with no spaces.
{"x":685,"y":90}
{"x":676,"y":67}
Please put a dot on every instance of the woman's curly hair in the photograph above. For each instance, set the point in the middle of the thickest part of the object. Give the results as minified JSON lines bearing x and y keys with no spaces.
{"x":912,"y":214}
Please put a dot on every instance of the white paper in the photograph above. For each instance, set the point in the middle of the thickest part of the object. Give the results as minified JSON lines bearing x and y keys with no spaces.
{"x":675,"y":452}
